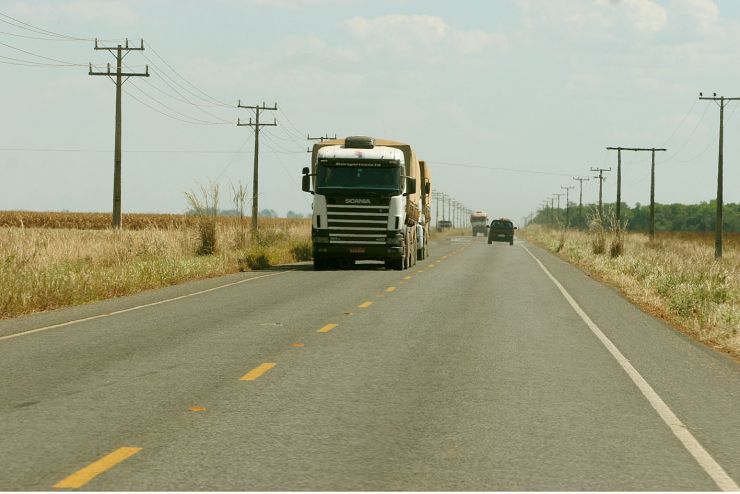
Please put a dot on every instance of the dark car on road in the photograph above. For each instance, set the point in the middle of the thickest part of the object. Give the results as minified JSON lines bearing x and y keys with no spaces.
{"x":502,"y":230}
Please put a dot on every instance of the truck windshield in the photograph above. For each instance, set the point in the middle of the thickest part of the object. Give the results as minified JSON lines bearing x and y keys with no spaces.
{"x":370,"y":178}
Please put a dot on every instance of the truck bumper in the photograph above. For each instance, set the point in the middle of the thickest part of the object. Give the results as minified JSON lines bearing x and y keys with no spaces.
{"x":357,"y":252}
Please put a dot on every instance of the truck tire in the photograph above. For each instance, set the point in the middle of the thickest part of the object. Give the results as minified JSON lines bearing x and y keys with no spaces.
{"x":490,"y":242}
{"x":420,"y":254}
{"x":511,"y":242}
{"x":319,"y":264}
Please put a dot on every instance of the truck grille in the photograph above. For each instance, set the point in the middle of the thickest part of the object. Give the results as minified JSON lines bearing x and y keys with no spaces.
{"x":358,"y":224}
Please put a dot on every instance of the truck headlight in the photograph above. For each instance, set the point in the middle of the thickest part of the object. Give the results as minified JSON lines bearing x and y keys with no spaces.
{"x":393,"y":241}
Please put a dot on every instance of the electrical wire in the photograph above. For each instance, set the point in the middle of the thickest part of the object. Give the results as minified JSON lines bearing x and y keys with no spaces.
{"x":166,"y":114}
{"x":214,"y":100}
{"x":43,"y":57}
{"x":497,"y":168}
{"x":182,"y":99}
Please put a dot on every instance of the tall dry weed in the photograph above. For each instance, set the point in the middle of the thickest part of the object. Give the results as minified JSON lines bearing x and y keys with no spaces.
{"x":204,"y":205}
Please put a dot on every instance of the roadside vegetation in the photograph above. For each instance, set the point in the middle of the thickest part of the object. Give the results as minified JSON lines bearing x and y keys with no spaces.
{"x":675,"y":277}
{"x":43,"y":267}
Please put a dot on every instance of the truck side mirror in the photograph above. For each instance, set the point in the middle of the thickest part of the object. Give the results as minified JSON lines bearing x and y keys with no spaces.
{"x":306,"y":183}
{"x":427,"y":188}
{"x":306,"y":171}
{"x":410,"y":186}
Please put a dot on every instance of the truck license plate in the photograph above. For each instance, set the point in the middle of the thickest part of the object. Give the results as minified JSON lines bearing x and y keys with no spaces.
{"x":357,"y":250}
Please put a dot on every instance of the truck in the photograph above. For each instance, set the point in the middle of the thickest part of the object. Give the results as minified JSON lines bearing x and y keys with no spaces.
{"x":479,"y":222}
{"x":366,"y":202}
{"x":422,"y":228}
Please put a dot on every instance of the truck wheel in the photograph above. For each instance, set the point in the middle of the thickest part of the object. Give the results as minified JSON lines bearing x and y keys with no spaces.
{"x":319,"y":264}
{"x":490,"y":242}
{"x":511,"y":242}
{"x":420,"y":254}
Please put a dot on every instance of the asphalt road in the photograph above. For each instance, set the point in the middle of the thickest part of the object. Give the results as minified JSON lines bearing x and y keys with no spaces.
{"x":475,"y":370}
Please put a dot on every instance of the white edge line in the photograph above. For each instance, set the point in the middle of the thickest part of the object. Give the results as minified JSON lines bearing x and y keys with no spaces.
{"x":702,"y":457}
{"x":130,"y":309}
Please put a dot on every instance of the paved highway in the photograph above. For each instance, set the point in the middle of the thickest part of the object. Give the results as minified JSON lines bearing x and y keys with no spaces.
{"x":489,"y":367}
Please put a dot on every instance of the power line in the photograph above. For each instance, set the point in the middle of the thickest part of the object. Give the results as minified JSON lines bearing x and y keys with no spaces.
{"x":497,"y":168}
{"x":42,"y":56}
{"x":211,"y":98}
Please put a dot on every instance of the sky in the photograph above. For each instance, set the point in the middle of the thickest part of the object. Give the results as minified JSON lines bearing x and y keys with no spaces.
{"x":506,"y":100}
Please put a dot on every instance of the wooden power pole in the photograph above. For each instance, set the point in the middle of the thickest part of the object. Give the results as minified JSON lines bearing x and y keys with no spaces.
{"x":255,"y":180}
{"x":601,"y":178}
{"x":580,"y":197}
{"x":718,"y":223}
{"x":567,"y":203}
{"x":120,"y":53}
{"x":619,"y":173}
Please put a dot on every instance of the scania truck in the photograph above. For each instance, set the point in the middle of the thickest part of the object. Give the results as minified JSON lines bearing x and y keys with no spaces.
{"x":479,"y":222}
{"x":366,"y":202}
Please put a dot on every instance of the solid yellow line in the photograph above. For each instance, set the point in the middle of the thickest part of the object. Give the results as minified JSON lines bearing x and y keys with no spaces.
{"x":390,"y":289}
{"x":85,"y":475}
{"x":257,"y":371}
{"x":365,"y":305}
{"x":327,"y":328}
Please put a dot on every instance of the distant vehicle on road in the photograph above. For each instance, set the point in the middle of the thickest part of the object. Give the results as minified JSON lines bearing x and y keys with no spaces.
{"x":479,"y":222}
{"x":444,"y":225}
{"x":502,"y":230}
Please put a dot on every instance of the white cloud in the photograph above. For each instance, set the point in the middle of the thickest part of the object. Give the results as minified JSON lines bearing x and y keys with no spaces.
{"x":410,"y":33}
{"x":704,"y":12}
{"x":298,"y":4}
{"x":114,"y":12}
{"x":647,"y":15}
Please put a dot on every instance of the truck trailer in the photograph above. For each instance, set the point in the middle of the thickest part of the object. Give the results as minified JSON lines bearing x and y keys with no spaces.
{"x":426,"y":211}
{"x":366,"y":202}
{"x":479,"y":222}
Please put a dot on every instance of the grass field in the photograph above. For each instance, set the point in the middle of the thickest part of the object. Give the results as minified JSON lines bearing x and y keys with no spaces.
{"x":675,"y":278}
{"x":49,"y":265}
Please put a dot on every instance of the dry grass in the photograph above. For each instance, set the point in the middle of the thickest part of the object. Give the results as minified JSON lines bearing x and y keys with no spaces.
{"x":676,"y":277}
{"x":48,"y":268}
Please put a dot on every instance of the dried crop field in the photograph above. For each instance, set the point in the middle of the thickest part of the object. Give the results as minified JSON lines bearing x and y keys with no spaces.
{"x":44,"y":268}
{"x":676,"y":277}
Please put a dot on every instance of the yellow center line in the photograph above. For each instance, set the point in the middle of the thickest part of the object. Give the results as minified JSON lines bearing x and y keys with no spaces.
{"x":86,"y":474}
{"x":257,"y":371}
{"x":420,"y":271}
{"x":407,"y":277}
{"x":327,"y":328}
{"x":365,"y":305}
{"x":297,"y":345}
{"x":390,"y":289}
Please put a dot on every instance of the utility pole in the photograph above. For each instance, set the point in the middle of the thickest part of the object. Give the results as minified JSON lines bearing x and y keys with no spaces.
{"x":256,"y":124}
{"x":567,"y":201}
{"x":558,"y":210}
{"x":120,"y":53}
{"x":580,"y":196}
{"x":436,"y":214}
{"x":619,"y":173}
{"x":323,"y":138}
{"x":718,"y":223}
{"x":652,"y":195}
{"x":601,"y":178}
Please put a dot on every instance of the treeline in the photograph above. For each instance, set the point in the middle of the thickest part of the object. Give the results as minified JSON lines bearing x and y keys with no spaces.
{"x":668,"y":217}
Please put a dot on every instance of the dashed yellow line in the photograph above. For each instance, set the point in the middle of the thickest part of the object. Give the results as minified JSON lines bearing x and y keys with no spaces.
{"x":85,"y":475}
{"x":407,"y":277}
{"x":327,"y":328}
{"x":390,"y":289}
{"x":365,"y":305}
{"x":257,"y":371}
